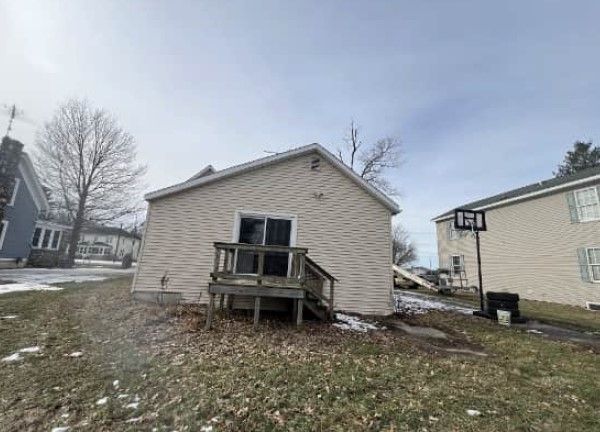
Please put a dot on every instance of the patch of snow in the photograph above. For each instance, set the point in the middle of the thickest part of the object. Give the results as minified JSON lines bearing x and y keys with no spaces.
{"x":27,"y":286}
{"x":415,"y":304}
{"x":8,"y":317}
{"x":33,"y":349}
{"x":12,"y":358}
{"x":122,"y":396}
{"x":60,"y":429}
{"x":473,"y":413}
{"x":132,"y":405}
{"x":28,"y":279}
{"x":133,"y":420}
{"x":348,"y":322}
{"x":76,"y":354}
{"x":207,"y":428}
{"x":102,"y":401}
{"x":534,"y":331}
{"x":116,"y":384}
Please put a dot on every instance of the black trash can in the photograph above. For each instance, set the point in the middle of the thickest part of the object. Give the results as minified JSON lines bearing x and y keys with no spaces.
{"x":503,"y":301}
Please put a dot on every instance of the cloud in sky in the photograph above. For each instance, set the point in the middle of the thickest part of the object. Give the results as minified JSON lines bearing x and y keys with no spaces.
{"x":485,"y":96}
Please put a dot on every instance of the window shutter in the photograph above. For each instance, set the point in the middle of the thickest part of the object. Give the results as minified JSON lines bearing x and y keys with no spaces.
{"x":448,"y":227}
{"x":583,"y":265}
{"x":450,"y":265}
{"x":572,"y":207}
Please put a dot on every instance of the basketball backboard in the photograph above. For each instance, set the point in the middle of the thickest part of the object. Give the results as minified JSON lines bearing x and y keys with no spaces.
{"x":469,"y":220}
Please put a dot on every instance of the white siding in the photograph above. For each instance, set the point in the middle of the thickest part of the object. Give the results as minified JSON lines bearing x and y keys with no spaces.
{"x":346,"y":230}
{"x":530,"y":248}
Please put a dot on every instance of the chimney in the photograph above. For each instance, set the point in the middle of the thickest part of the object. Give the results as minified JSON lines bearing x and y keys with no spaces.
{"x":10,"y":155}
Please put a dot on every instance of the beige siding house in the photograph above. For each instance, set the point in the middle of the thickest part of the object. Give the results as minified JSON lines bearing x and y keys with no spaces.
{"x":543,"y":241}
{"x":302,"y":198}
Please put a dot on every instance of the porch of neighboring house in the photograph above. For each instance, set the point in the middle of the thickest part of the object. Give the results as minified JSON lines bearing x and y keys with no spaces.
{"x":259,"y":271}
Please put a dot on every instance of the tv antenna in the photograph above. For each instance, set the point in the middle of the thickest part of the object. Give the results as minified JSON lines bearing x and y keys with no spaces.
{"x":15,"y":113}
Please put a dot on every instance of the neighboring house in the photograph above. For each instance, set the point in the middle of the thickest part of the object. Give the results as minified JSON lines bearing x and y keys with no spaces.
{"x":419,"y":270}
{"x":302,"y":198}
{"x":22,"y":220}
{"x":542,"y":241}
{"x":105,"y":242}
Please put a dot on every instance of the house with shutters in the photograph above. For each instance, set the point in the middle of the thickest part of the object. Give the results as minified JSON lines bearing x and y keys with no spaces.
{"x":27,"y":235}
{"x":542,"y":241}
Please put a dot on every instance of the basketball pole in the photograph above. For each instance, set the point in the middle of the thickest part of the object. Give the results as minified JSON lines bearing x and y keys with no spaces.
{"x":479,"y":271}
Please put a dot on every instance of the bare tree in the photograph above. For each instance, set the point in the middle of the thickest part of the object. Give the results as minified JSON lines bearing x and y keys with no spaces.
{"x":403,"y":250}
{"x":371,"y":161}
{"x":88,"y":162}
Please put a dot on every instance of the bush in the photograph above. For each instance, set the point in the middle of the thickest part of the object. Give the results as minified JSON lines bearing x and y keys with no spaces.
{"x":127,"y":261}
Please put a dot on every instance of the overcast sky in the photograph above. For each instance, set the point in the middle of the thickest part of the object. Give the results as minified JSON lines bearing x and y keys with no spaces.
{"x":485,"y":95}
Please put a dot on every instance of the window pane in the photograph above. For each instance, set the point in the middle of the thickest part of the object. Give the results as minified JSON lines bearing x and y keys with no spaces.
{"x":55,"y":239}
{"x":247,"y":262}
{"x":594,"y":256}
{"x":252,"y":230}
{"x":596,"y":272}
{"x":46,"y":239}
{"x":278,"y":232}
{"x":36,"y":237}
{"x":276,"y":263}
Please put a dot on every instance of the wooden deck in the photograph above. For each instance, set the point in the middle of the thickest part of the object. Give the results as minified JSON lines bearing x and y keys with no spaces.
{"x":304,"y":284}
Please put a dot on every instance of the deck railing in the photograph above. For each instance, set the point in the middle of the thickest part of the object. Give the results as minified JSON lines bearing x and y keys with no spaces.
{"x":302,"y":272}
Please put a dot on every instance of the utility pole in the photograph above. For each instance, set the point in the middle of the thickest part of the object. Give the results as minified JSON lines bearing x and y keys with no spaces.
{"x":481,"y":305}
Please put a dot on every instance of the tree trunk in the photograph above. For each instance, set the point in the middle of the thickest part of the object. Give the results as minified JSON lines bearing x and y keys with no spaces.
{"x":75,"y":232}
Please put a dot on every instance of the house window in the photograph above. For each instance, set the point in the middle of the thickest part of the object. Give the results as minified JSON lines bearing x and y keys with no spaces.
{"x":3,"y":229}
{"x":56,"y":239}
{"x":265,"y":230}
{"x":46,"y":238}
{"x":593,"y":260}
{"x":37,"y":234}
{"x":14,"y":194}
{"x":457,"y":264}
{"x":588,"y":204}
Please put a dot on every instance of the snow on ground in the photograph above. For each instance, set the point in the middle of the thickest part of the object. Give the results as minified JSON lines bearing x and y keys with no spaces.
{"x":40,"y":279}
{"x":348,"y":322}
{"x":413,"y":304}
{"x":12,"y":358}
{"x":14,"y":287}
{"x":32,"y":349}
{"x":9,"y":317}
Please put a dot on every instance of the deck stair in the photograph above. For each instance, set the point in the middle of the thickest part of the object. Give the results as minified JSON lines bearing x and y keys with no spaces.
{"x":306,"y":283}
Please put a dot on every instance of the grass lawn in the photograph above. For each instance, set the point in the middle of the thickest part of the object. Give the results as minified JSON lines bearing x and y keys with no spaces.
{"x":172,"y":375}
{"x":552,"y":313}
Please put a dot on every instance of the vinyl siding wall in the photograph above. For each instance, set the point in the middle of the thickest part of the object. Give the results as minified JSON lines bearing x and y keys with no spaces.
{"x":530,"y":248}
{"x":346,"y":231}
{"x":21,"y":221}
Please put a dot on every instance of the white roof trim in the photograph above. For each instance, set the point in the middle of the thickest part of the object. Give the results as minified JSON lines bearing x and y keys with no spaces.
{"x":529,"y":195}
{"x":259,"y":163}
{"x":33,"y":183}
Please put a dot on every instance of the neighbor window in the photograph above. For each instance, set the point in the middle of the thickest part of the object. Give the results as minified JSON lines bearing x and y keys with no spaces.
{"x":14,"y":194}
{"x":588,"y":204}
{"x":46,"y":238}
{"x":36,"y":237}
{"x":55,"y":239}
{"x":593,"y":260}
{"x":457,"y":265}
{"x":3,"y":229}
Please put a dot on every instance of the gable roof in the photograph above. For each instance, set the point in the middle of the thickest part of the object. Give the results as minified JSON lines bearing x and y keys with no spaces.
{"x":33,"y":183}
{"x":269,"y":160}
{"x":529,"y":191}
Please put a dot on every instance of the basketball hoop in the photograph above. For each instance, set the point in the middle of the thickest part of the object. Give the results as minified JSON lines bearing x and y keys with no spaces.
{"x":474,"y":221}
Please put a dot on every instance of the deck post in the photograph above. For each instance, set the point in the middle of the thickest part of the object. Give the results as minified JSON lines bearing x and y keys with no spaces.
{"x":209,"y":311}
{"x":300,"y":307}
{"x":256,"y":311}
{"x":229,"y":304}
{"x":221,"y":302}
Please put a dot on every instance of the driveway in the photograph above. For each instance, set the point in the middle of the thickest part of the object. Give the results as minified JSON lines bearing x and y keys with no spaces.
{"x":43,"y":279}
